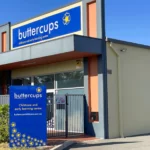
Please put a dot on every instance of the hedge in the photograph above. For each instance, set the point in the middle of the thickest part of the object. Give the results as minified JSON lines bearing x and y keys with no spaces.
{"x":4,"y":123}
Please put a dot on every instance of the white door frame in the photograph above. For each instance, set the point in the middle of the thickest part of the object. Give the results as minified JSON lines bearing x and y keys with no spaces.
{"x":50,"y":91}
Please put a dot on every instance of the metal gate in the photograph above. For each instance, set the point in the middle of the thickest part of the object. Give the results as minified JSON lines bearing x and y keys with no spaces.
{"x":65,"y":115}
{"x":4,"y":99}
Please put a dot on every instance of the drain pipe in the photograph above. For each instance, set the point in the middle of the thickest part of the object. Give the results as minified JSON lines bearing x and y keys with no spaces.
{"x":121,"y":131}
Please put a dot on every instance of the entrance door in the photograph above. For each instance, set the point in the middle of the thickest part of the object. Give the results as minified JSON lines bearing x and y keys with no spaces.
{"x":50,"y":109}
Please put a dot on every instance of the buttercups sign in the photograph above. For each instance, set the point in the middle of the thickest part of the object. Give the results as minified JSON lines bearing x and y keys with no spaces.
{"x":31,"y":95}
{"x":27,"y":116}
{"x":52,"y":26}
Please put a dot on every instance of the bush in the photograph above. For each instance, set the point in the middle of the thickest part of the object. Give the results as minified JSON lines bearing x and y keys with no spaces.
{"x":4,"y":123}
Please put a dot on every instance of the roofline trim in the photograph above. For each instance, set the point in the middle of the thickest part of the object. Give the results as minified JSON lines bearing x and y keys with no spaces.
{"x":8,"y":23}
{"x":127,"y":43}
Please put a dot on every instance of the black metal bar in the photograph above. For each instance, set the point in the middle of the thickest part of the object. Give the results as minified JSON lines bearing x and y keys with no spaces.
{"x":66,"y":123}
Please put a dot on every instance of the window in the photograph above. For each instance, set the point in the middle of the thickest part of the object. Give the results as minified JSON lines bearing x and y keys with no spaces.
{"x":47,"y":80}
{"x":22,"y":81}
{"x":27,"y":81}
{"x":62,"y":80}
{"x":17,"y":82}
{"x":70,"y":79}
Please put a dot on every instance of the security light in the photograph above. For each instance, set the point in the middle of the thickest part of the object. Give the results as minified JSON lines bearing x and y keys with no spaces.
{"x":123,"y":50}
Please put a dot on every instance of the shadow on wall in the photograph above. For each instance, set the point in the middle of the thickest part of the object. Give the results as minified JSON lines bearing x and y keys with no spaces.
{"x":88,"y":127}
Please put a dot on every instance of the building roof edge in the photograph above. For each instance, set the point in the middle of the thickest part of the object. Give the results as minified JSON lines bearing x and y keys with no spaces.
{"x":127,"y":43}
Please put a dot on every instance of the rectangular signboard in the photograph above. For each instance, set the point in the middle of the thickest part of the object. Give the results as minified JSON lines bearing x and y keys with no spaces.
{"x":60,"y":99}
{"x":60,"y":24}
{"x":27,"y":116}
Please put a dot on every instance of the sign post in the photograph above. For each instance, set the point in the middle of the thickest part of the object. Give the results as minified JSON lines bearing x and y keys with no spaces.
{"x":27,"y":116}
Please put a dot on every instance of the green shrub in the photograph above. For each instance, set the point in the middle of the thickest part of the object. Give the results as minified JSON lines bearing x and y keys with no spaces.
{"x":4,"y":123}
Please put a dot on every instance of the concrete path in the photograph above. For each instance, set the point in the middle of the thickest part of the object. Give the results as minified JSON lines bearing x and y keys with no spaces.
{"x":132,"y":143}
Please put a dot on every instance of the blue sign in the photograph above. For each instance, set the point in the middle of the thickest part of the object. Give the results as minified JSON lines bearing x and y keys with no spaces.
{"x":27,"y":116}
{"x":60,"y":24}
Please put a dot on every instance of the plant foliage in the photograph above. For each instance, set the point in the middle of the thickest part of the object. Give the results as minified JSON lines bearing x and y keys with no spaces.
{"x":4,"y":116}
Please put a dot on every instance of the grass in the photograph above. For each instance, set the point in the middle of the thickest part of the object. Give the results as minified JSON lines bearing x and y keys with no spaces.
{"x":5,"y":146}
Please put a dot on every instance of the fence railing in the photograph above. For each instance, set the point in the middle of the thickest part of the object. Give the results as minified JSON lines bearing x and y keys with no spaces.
{"x":4,"y":99}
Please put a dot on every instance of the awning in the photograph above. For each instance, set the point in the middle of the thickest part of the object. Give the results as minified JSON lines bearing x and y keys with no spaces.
{"x":66,"y":48}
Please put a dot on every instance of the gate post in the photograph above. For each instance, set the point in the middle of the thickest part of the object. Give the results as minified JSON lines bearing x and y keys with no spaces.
{"x":66,"y":121}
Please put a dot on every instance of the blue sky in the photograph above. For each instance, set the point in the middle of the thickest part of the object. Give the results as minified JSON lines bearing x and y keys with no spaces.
{"x":125,"y":19}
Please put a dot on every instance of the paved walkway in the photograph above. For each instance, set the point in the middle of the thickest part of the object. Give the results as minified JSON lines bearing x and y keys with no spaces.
{"x":132,"y":143}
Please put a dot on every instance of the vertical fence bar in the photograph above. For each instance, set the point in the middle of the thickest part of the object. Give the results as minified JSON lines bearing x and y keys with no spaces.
{"x":66,"y":123}
{"x":83,"y":113}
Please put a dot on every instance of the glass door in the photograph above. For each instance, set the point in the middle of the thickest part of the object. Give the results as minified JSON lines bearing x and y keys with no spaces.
{"x":50,"y":108}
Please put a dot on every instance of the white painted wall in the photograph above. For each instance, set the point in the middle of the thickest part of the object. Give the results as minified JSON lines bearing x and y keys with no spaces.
{"x":113,"y":106}
{"x":47,"y":69}
{"x":134,"y":87}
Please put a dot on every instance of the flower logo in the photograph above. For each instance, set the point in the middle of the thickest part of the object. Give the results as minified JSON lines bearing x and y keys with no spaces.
{"x":24,"y":135}
{"x":38,"y":90}
{"x":18,"y":143}
{"x":66,"y":18}
{"x":23,"y":141}
{"x":18,"y":135}
{"x":31,"y":143}
{"x":13,"y":124}
{"x":35,"y":140}
{"x":41,"y":141}
{"x":11,"y":141}
{"x":44,"y":144}
{"x":19,"y":139}
{"x":14,"y":130}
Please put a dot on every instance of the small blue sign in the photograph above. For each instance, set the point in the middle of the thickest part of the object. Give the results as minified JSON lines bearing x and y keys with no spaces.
{"x":27,"y":116}
{"x":60,"y":24}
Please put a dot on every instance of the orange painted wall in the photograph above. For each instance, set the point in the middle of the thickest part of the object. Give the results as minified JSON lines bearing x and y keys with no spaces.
{"x":92,"y":61}
{"x":3,"y":42}
{"x":93,"y":83}
{"x":91,"y":18}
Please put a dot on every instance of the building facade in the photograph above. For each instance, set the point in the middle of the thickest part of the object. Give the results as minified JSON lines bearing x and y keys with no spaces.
{"x":66,"y":50}
{"x":128,"y":88}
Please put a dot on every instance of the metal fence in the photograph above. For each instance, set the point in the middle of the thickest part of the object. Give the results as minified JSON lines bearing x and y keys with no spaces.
{"x":65,"y":115}
{"x":4,"y":99}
